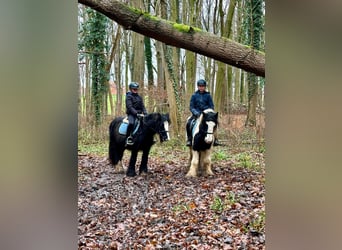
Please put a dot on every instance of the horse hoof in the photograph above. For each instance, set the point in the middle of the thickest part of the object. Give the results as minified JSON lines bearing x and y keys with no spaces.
{"x":119,"y":171}
{"x":131,"y":174}
{"x":143,"y":173}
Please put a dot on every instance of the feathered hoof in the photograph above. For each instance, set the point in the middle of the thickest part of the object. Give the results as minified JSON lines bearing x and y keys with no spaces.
{"x":119,"y":171}
{"x":190,"y":175}
{"x":206,"y":174}
{"x":143,"y":173}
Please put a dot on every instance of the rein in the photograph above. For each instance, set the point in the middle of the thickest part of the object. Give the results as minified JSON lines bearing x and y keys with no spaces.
{"x":206,"y":131}
{"x":155,"y":130}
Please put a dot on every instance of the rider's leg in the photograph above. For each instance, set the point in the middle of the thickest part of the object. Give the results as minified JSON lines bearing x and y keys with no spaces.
{"x":130,"y":127}
{"x":188,"y":133}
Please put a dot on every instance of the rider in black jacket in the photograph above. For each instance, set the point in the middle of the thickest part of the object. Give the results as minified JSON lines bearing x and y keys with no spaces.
{"x":134,"y":107}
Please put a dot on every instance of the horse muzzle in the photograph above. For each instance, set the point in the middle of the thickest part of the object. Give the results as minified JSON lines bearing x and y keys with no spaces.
{"x":209,"y":138}
{"x":164,"y":137}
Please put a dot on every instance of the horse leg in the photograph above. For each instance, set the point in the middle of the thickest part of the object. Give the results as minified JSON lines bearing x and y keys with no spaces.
{"x":144,"y":160}
{"x":115,"y":157}
{"x":118,"y":168}
{"x":190,"y":158}
{"x":132,"y":161}
{"x":206,"y":162}
{"x":194,"y":164}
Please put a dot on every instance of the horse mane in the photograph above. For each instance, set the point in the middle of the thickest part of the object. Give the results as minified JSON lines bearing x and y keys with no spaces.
{"x":153,"y":120}
{"x":208,"y":113}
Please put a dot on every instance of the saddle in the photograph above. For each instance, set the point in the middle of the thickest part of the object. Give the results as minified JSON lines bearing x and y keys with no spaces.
{"x":193,"y":125}
{"x":124,"y":125}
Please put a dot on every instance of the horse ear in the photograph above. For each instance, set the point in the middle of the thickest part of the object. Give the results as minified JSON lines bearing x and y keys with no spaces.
{"x":166,"y":116}
{"x":158,"y":116}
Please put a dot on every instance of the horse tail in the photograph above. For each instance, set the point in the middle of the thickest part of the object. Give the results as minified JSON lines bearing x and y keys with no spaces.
{"x":111,"y":143}
{"x":114,"y":156}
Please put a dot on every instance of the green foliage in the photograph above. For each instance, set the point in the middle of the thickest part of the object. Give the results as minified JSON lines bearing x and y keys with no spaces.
{"x":98,"y":149}
{"x":219,"y":155}
{"x":257,"y":23}
{"x":180,"y":207}
{"x":219,"y":205}
{"x":244,"y":160}
{"x":230,"y":198}
{"x":185,"y":28}
{"x":93,"y":41}
{"x":93,"y":141}
{"x":262,"y":148}
{"x":148,"y":56}
{"x":258,"y":223}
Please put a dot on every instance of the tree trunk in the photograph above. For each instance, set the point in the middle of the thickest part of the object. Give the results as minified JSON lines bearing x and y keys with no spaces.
{"x":148,"y":58}
{"x":182,"y":36}
{"x":171,"y":96}
{"x":256,"y":27}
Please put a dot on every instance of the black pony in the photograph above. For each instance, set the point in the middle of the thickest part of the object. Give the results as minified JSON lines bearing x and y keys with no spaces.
{"x":203,"y":138}
{"x":150,"y":125}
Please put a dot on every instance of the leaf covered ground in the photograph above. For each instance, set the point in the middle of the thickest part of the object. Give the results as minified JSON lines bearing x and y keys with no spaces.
{"x":166,"y":210}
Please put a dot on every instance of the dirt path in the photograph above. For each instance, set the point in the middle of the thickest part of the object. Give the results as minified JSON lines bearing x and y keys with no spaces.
{"x":165,"y":210}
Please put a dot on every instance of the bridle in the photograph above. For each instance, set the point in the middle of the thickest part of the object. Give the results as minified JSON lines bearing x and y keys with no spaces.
{"x":159,"y":130}
{"x":205,"y":131}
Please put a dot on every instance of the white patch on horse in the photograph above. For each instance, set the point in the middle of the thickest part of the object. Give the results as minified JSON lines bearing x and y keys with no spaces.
{"x":196,"y":127}
{"x":202,"y":159}
{"x":166,"y":128}
{"x":194,"y":164}
{"x":210,"y":137}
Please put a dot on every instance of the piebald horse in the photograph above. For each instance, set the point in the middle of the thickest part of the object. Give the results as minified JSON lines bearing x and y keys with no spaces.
{"x":202,"y":143}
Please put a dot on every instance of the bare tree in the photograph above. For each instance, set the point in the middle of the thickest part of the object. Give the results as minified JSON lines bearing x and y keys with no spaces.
{"x":183,"y":36}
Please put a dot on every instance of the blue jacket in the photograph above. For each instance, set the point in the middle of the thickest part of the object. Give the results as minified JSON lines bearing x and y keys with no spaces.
{"x":200,"y":101}
{"x":134,"y":104}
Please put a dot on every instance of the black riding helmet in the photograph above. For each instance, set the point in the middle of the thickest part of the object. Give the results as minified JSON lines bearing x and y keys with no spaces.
{"x":133,"y":85}
{"x":201,"y":82}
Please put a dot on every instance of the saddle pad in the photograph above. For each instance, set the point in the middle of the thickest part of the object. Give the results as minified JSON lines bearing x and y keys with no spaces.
{"x":123,"y":128}
{"x":124,"y":125}
{"x":193,"y":125}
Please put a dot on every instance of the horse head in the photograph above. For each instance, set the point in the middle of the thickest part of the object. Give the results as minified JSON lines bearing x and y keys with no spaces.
{"x":159,"y":123}
{"x":209,"y":122}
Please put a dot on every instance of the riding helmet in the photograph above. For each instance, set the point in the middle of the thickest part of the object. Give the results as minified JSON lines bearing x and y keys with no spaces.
{"x":201,"y":82}
{"x":133,"y":85}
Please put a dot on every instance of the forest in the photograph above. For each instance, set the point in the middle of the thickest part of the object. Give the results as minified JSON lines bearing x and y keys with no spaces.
{"x":166,"y":46}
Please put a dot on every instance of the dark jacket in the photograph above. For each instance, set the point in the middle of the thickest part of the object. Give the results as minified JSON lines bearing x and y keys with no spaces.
{"x":200,"y":101}
{"x":134,"y":104}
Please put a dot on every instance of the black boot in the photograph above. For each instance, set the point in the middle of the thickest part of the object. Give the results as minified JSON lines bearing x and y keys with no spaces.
{"x":129,"y":140}
{"x":216,"y":142}
{"x":188,"y":134}
{"x":188,"y":142}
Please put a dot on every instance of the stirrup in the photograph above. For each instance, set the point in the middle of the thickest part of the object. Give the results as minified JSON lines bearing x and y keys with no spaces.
{"x":129,"y":141}
{"x":188,"y":143}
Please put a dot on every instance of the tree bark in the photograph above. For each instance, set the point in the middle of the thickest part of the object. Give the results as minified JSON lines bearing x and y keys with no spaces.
{"x":182,"y":36}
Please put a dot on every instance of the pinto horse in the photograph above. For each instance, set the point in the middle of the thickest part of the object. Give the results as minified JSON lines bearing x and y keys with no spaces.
{"x":202,"y":143}
{"x":150,"y":125}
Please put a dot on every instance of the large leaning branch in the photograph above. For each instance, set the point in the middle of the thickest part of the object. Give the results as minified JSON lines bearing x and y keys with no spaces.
{"x":182,"y":36}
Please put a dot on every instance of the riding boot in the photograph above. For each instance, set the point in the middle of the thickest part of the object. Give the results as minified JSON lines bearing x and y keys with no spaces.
{"x":188,"y":134}
{"x":129,"y":140}
{"x":216,"y":141}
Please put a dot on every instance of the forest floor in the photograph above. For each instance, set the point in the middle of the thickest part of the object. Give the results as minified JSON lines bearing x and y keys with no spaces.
{"x":166,"y":210}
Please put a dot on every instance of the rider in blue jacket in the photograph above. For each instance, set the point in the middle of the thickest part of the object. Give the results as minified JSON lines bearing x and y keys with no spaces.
{"x":199,"y":101}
